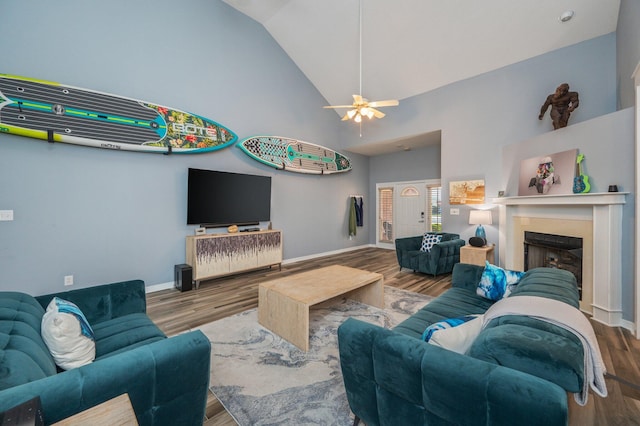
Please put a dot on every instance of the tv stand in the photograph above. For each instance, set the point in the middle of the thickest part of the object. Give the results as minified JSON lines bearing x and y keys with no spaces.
{"x":217,"y":255}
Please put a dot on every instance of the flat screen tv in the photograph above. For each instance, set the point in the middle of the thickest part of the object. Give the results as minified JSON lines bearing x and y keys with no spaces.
{"x":222,"y":198}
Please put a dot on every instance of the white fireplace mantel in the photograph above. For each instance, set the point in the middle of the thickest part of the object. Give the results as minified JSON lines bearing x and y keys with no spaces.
{"x":588,"y":199}
{"x":604,"y":212}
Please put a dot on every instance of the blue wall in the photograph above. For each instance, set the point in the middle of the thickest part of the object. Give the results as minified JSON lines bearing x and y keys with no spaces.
{"x":105,"y":215}
{"x":481,"y":115}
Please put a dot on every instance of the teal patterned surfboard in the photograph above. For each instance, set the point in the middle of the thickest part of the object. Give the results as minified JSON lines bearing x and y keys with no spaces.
{"x":294,"y":155}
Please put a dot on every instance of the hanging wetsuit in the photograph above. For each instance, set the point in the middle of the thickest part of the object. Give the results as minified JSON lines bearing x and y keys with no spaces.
{"x":359,"y":211}
{"x":352,"y":217}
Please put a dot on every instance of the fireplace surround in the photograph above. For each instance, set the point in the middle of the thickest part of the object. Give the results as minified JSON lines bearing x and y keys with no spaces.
{"x":596,"y":218}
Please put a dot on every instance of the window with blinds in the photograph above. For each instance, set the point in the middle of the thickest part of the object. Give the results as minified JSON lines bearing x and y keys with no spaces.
{"x":385,"y":221}
{"x":435,"y":207}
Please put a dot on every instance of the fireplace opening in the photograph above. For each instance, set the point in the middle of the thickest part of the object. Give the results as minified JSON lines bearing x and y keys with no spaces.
{"x":554,"y":251}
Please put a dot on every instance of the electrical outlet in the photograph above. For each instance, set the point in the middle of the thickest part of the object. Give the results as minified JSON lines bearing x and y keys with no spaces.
{"x":454,"y":212}
{"x":68,"y":280}
{"x":6,"y":215}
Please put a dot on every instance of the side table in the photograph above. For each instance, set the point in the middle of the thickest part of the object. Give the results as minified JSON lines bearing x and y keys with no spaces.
{"x":477,"y":255}
{"x":115,"y":412}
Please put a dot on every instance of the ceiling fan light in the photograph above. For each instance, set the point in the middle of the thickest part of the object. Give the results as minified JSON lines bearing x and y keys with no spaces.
{"x":369,"y":113}
{"x":351,"y":113}
{"x":358,"y":118}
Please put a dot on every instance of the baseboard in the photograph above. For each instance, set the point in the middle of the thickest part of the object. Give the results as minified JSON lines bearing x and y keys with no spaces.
{"x":159,"y":287}
{"x":170,"y":285}
{"x":629,"y":326}
{"x":327,"y":253}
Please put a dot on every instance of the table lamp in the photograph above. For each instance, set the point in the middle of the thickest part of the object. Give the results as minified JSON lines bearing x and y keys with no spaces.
{"x":480,"y":217}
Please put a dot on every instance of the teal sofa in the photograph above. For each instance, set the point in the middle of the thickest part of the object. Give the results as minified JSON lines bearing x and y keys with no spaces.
{"x":166,"y":378}
{"x":517,"y":371}
{"x":439,"y":260}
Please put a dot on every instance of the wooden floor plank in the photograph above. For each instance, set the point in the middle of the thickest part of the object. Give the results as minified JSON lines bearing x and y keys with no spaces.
{"x":176,"y":312}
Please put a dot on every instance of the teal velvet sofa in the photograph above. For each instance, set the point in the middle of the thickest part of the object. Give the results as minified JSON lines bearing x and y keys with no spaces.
{"x":166,"y":378}
{"x":439,"y":260}
{"x":517,"y":371}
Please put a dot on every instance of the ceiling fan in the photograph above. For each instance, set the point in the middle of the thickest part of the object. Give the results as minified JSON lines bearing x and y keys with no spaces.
{"x":361,"y":107}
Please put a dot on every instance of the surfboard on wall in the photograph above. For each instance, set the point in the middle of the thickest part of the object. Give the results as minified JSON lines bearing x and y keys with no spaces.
{"x":59,"y":113}
{"x":294,"y":155}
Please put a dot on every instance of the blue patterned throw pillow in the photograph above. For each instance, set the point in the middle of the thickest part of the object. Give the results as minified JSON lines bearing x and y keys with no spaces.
{"x":428,"y":241}
{"x":495,"y":282}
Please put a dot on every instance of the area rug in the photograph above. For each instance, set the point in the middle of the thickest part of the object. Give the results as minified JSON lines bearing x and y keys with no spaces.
{"x":261,"y":379}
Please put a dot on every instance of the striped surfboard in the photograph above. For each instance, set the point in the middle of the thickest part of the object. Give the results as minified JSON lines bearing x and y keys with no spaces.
{"x":59,"y":113}
{"x":294,"y":155}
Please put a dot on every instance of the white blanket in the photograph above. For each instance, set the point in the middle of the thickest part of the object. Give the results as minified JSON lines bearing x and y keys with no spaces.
{"x":567,"y":317}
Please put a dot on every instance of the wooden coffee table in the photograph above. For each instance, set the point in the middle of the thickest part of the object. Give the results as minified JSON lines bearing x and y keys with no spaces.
{"x":283,"y":304}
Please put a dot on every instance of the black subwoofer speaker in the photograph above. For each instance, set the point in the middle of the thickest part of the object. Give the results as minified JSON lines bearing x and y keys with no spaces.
{"x":477,"y":242}
{"x":183,"y":277}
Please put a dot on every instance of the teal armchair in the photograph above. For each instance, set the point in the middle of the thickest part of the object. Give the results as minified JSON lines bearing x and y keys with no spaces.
{"x":439,"y":260}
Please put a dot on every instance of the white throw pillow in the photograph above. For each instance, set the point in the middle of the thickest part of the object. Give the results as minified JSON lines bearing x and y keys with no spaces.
{"x":459,"y":338}
{"x":68,"y":335}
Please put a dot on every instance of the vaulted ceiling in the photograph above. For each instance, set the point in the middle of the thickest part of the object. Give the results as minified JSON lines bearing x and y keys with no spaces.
{"x":410,"y":47}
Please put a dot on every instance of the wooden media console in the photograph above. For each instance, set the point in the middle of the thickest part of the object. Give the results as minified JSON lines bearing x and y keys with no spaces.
{"x":216,"y":255}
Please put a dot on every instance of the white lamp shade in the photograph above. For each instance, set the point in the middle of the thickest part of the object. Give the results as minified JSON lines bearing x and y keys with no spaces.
{"x":479,"y":217}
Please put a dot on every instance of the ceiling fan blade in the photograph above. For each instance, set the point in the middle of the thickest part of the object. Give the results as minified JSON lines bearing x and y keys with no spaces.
{"x":376,"y":113}
{"x":346,"y":117}
{"x":338,"y":106}
{"x":357,"y":99}
{"x":390,"y":102}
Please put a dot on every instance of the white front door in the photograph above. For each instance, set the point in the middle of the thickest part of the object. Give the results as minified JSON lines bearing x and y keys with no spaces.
{"x":410,"y":210}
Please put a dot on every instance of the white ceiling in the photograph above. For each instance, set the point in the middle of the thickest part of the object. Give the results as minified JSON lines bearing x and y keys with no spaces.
{"x":413,"y":46}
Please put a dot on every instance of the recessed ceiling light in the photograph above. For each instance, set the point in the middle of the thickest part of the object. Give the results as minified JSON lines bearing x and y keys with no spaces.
{"x":566,"y":15}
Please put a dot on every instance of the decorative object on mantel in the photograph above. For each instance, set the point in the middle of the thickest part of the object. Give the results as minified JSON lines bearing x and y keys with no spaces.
{"x":466,"y":192}
{"x":545,"y":176}
{"x":563,"y":103}
{"x":294,"y":155}
{"x":547,"y":172}
{"x":59,"y":113}
{"x":581,"y":181}
{"x":480,"y":217}
{"x":613,"y":188}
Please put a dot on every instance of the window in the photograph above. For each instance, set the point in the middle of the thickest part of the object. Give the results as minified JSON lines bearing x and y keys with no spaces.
{"x":435,"y":207}
{"x":385,"y":197}
{"x":410,"y":192}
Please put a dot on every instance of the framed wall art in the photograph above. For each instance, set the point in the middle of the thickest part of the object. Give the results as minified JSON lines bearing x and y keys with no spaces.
{"x":550,"y":174}
{"x":466,"y":192}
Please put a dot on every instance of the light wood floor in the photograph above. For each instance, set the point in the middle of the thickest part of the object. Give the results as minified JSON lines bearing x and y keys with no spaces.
{"x":175,"y":312}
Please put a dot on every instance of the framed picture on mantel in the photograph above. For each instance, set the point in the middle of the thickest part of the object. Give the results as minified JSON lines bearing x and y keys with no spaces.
{"x":550,"y":174}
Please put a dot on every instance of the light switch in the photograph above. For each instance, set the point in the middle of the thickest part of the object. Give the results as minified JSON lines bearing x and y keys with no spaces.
{"x":6,"y":215}
{"x":454,"y":212}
